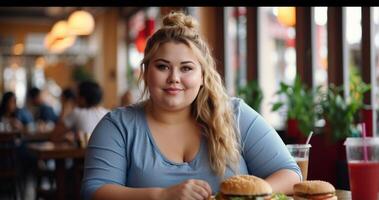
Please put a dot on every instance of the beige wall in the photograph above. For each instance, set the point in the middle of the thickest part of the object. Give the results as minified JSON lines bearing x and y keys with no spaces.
{"x":211,"y":27}
{"x":106,"y":62}
{"x":19,"y":29}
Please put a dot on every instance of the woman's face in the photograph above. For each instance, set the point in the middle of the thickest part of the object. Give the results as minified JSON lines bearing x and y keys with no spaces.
{"x":12,"y":104}
{"x":174,"y":76}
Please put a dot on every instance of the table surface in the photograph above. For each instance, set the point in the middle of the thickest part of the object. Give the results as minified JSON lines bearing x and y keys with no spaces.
{"x":50,"y":150}
{"x":343,"y":194}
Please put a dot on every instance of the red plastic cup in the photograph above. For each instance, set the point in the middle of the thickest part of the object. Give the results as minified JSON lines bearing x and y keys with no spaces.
{"x":363,"y":169}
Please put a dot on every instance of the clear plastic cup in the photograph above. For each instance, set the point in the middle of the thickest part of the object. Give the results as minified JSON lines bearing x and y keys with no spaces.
{"x":300,"y":152}
{"x":363,"y":163}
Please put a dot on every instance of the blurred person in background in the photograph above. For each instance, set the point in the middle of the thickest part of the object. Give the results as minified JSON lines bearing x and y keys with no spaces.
{"x":127,"y":98}
{"x":13,"y":118}
{"x":17,"y":119}
{"x":188,"y":135}
{"x":68,"y":102}
{"x":83,"y":118}
{"x":43,"y":114}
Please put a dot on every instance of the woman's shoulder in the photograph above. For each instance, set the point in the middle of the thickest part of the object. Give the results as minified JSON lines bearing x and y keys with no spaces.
{"x":235,"y":101}
{"x":127,"y":113}
{"x":240,"y":106}
{"x":238,"y":103}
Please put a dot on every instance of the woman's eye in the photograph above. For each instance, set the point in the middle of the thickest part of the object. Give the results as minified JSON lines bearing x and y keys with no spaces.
{"x":162,"y":67}
{"x":186,"y":69}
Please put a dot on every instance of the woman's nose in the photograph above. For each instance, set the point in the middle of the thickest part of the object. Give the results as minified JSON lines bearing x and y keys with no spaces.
{"x":173,"y":77}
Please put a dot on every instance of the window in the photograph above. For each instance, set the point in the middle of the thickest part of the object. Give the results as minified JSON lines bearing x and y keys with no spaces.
{"x":277,"y":56}
{"x":140,"y":26}
{"x":14,"y":76}
{"x":235,"y":48}
{"x":353,"y":39}
{"x":375,"y":42}
{"x":321,"y":47}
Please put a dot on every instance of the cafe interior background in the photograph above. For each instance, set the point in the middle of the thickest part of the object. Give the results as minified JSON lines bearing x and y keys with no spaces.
{"x":260,"y":51}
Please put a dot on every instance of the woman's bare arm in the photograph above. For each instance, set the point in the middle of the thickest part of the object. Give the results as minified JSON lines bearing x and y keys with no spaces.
{"x":115,"y":192}
{"x":189,"y":189}
{"x":283,"y":180}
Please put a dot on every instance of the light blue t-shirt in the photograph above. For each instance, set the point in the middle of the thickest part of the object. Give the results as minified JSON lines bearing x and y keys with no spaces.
{"x":122,"y":151}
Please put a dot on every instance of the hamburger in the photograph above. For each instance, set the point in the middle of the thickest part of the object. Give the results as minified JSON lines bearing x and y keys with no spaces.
{"x":314,"y":190}
{"x":244,"y":187}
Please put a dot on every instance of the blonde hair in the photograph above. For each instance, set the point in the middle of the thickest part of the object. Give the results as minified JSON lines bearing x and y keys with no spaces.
{"x":211,"y":108}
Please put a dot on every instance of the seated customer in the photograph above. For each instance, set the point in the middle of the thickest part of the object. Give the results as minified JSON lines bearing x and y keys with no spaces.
{"x":68,"y":102}
{"x":13,"y":118}
{"x":127,"y":98}
{"x":41,"y":111}
{"x":85,"y":116}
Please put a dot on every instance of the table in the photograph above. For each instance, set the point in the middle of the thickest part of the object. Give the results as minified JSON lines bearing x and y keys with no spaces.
{"x":343,"y":194}
{"x":9,"y":136}
{"x":59,"y":152}
{"x":36,"y":137}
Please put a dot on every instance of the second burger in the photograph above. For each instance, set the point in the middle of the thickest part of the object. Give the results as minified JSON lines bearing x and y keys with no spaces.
{"x":244,"y":187}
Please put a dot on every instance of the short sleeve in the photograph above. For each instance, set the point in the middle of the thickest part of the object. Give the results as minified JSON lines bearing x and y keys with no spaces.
{"x":70,"y":119}
{"x":105,"y":161}
{"x":262,"y":148}
{"x":24,"y":116}
{"x":48,"y":114}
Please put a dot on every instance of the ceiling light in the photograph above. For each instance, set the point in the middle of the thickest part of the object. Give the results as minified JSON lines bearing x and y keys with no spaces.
{"x":60,"y":29}
{"x":81,"y":23}
{"x":18,"y":49}
{"x":60,"y":45}
{"x":287,"y":16}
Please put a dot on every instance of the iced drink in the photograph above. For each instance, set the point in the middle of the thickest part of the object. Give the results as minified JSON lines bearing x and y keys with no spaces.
{"x":363,"y":164}
{"x":303,"y":164}
{"x":358,"y":173}
{"x":300,"y":152}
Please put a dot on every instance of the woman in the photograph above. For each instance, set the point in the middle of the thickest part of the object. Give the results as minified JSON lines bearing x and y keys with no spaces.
{"x":188,"y":135}
{"x":13,"y":118}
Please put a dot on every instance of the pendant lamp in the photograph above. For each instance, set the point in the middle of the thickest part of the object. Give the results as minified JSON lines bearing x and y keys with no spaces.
{"x":287,"y":16}
{"x":58,"y":45}
{"x":81,"y":23}
{"x":61,"y":45}
{"x":60,"y":29}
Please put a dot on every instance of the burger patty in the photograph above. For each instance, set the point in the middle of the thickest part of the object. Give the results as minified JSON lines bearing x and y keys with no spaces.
{"x":315,"y":196}
{"x":247,"y":197}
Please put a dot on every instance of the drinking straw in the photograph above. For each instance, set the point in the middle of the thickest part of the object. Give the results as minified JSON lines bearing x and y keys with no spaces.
{"x":364,"y":141}
{"x":309,"y":137}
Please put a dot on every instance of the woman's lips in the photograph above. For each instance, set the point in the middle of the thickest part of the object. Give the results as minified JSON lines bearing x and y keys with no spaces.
{"x":172,"y":91}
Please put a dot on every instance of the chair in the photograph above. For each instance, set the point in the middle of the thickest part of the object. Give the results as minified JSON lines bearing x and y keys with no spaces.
{"x":11,"y":185}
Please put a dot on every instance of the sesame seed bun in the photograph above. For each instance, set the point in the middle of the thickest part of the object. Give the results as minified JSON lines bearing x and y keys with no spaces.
{"x":245,"y":185}
{"x":315,"y":188}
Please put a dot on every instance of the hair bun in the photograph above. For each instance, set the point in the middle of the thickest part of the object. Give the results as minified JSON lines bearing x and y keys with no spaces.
{"x":181,"y":20}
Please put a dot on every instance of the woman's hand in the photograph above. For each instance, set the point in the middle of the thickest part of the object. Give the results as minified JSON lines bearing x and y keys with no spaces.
{"x":16,"y":124}
{"x":192,"y":189}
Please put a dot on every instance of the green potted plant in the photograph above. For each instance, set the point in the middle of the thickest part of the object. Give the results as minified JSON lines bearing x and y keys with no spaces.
{"x":341,"y":113}
{"x":252,"y":94}
{"x":81,"y":73}
{"x":301,"y":107}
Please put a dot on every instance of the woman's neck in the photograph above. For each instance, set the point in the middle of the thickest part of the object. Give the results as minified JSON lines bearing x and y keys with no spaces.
{"x":8,"y":113}
{"x":163,"y":116}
